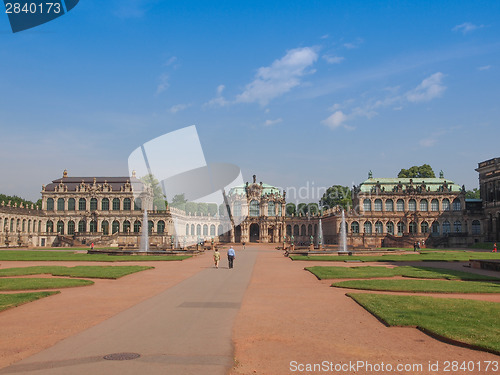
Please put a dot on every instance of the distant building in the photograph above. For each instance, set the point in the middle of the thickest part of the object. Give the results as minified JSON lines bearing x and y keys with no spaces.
{"x":489,"y":185}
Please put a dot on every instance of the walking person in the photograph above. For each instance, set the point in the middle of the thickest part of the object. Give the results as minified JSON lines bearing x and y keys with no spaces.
{"x":495,"y":247}
{"x":230,"y":256}
{"x":216,"y":258}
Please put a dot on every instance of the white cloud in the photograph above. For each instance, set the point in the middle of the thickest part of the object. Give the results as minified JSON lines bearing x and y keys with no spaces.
{"x":429,"y":89}
{"x":428,"y":142}
{"x":335,"y":120}
{"x":333,"y":59}
{"x":486,"y":67}
{"x":466,"y":27}
{"x":171,"y":61}
{"x":219,"y":100}
{"x":220,"y":88}
{"x":163,"y":85}
{"x":273,"y":122}
{"x":280,"y":77}
{"x":326,"y":36}
{"x":178,"y":107}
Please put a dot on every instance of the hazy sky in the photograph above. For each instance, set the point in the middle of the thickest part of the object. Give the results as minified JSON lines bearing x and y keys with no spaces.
{"x":296,"y":92}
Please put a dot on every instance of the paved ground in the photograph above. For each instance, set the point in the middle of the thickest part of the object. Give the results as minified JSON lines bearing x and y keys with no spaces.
{"x":184,"y":317}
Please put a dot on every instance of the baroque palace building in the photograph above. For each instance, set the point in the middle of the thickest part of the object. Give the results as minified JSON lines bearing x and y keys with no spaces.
{"x":110,"y":211}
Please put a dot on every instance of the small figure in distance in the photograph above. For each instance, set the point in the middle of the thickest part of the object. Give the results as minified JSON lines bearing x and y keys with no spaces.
{"x":243,"y":245}
{"x":495,"y":247}
{"x":230,"y":256}
{"x":92,"y":246}
{"x":216,"y":258}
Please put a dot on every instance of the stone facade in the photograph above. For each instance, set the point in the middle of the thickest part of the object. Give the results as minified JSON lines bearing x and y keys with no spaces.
{"x":489,"y":184}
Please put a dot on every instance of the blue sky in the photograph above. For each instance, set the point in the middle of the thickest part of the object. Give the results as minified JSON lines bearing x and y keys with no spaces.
{"x":297,"y":92}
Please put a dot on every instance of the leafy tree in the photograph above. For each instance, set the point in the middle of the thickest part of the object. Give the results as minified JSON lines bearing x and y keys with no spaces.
{"x":473,"y":194}
{"x":178,"y":200}
{"x":424,"y":171}
{"x":290,"y":209}
{"x":158,"y":197}
{"x":191,"y":208}
{"x":336,"y":195}
{"x":202,"y":208}
{"x":212,"y":209}
{"x":313,"y":208}
{"x":302,"y":209}
{"x":18,"y":200}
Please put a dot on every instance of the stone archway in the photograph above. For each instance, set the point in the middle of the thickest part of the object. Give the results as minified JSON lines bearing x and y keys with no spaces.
{"x":237,"y":234}
{"x":254,"y":232}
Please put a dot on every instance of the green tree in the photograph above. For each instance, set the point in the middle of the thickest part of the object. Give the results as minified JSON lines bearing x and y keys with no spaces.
{"x":158,"y":197}
{"x":178,"y":200}
{"x":424,"y":171}
{"x":302,"y":209}
{"x":473,"y":194}
{"x":212,"y":209}
{"x":290,"y":209}
{"x":18,"y":200}
{"x":336,"y":195}
{"x":191,"y":208}
{"x":202,"y":208}
{"x":313,"y":208}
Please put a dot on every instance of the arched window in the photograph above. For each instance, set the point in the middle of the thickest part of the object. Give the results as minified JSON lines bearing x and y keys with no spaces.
{"x":151,"y":226}
{"x":93,"y":226}
{"x":271,"y":209}
{"x":220,"y":230}
{"x":435,"y":228}
{"x":476,"y":227}
{"x":105,"y":204}
{"x":413,"y":227}
{"x":71,"y":227}
{"x":400,"y":205}
{"x":137,"y":204}
{"x":457,"y":226}
{"x":137,"y":226}
{"x":50,"y":204}
{"x":237,"y":208}
{"x":12,"y":225}
{"x":379,"y":227}
{"x":116,"y":204}
{"x":93,"y":204}
{"x":446,"y":205}
{"x":367,"y":205}
{"x":82,"y":226}
{"x":82,"y":204}
{"x":126,"y":226}
{"x":446,"y":227}
{"x":115,"y":227}
{"x":309,"y":230}
{"x":378,"y":205}
{"x":354,"y":227}
{"x":198,"y":230}
{"x":390,"y":227}
{"x":435,"y":205}
{"x":424,"y":205}
{"x":288,"y":230}
{"x":389,"y":205}
{"x":279,"y":209}
{"x":205,"y":230}
{"x":24,"y":226}
{"x":424,"y":227}
{"x":457,"y":205}
{"x":60,"y":227}
{"x":49,"y":227}
{"x":60,"y":204}
{"x":212,"y":230}
{"x":401,"y":228}
{"x":192,"y":230}
{"x":29,"y":226}
{"x":303,"y":230}
{"x":412,"y":205}
{"x":71,"y":204}
{"x":105,"y":227}
{"x":127,"y":205}
{"x":368,"y":227}
{"x":254,"y":208}
{"x":295,"y":230}
{"x":160,"y":227}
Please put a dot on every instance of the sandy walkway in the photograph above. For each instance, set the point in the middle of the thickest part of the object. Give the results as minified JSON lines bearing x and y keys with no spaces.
{"x":288,"y":315}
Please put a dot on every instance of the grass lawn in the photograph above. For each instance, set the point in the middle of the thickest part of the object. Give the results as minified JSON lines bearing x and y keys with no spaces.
{"x":12,"y":300}
{"x":93,"y":272}
{"x":42,"y":255}
{"x":364,"y":272}
{"x":472,"y":322}
{"x":432,"y":256}
{"x":39,"y":283}
{"x":424,"y":286}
